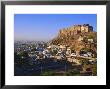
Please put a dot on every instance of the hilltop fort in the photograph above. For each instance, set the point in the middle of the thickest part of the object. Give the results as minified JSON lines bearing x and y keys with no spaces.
{"x":77,"y":37}
{"x":76,"y":29}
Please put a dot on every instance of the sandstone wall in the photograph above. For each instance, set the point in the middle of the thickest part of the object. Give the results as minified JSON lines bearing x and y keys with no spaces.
{"x":73,"y":30}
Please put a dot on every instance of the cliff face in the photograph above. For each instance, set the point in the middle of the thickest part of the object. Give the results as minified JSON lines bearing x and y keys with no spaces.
{"x":77,"y":37}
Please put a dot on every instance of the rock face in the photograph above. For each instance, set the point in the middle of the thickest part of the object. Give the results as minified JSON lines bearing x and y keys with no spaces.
{"x":77,"y":37}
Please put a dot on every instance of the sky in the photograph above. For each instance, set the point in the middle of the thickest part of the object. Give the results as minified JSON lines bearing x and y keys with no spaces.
{"x":44,"y":27}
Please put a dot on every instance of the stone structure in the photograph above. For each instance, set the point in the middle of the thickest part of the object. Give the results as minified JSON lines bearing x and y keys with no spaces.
{"x":68,"y":52}
{"x":80,"y":38}
{"x":76,"y":29}
{"x":77,"y":37}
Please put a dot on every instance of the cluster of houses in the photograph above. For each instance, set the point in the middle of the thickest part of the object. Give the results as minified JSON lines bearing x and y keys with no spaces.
{"x":60,"y":52}
{"x":56,"y":52}
{"x":52,"y":51}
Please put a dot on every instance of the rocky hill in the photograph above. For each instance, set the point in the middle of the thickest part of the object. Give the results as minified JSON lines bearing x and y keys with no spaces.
{"x":77,"y":37}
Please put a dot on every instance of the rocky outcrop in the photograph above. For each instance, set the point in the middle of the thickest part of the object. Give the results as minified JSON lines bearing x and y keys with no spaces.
{"x":77,"y":37}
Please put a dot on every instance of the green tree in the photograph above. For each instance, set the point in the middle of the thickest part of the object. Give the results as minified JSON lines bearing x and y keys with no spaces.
{"x":94,"y":69}
{"x":23,"y":54}
{"x":54,"y":52}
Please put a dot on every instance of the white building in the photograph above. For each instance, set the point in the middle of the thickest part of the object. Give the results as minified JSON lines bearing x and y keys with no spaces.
{"x":68,"y":52}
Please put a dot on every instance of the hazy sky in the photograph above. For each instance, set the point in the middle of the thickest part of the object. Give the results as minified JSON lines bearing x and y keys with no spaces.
{"x":46,"y":26}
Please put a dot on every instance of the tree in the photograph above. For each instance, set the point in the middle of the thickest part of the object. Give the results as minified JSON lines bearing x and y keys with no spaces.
{"x":94,"y":69}
{"x":23,"y":54}
{"x":16,"y":57}
{"x":54,"y":52}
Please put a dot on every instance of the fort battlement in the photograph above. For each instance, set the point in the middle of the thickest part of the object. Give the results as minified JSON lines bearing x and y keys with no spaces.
{"x":75,"y":29}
